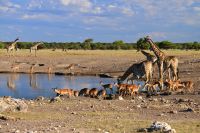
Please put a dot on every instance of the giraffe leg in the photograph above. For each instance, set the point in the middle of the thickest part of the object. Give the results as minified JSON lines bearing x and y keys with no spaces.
{"x":161,"y":74}
{"x":169,"y":73}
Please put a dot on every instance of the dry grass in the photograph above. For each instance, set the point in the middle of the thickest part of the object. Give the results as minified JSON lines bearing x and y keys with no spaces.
{"x":94,"y":52}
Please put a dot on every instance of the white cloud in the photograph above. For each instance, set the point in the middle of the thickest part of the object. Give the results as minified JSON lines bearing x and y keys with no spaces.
{"x":8,"y":7}
{"x":83,"y":5}
{"x":196,"y":9}
{"x":128,"y":11}
{"x":34,"y":16}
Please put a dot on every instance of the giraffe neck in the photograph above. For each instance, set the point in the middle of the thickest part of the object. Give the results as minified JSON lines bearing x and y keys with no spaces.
{"x":159,"y":54}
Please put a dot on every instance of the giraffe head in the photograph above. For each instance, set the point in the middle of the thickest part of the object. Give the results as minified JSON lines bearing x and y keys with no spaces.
{"x":147,"y":39}
{"x":16,"y":39}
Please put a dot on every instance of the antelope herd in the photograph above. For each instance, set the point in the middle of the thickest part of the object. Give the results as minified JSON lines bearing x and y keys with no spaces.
{"x":125,"y":89}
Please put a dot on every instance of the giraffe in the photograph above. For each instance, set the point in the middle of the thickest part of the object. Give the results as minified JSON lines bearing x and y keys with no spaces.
{"x":160,"y":56}
{"x":35,"y":47}
{"x":149,"y":56}
{"x":12,"y":46}
{"x":170,"y":64}
{"x":139,"y":70}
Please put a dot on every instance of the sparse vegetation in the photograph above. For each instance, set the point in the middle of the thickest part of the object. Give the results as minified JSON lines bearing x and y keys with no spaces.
{"x":89,"y":44}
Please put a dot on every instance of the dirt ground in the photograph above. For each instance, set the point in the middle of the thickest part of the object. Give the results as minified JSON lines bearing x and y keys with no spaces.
{"x":89,"y":115}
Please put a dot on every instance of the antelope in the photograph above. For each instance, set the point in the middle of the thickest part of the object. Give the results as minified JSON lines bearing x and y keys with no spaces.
{"x":188,"y":85}
{"x":102,"y":93}
{"x":84,"y":92}
{"x":151,"y":87}
{"x":61,"y":92}
{"x":70,"y":92}
{"x":76,"y":93}
{"x":107,"y":86}
{"x":132,"y":89}
{"x":121,"y":88}
{"x":93,"y":92}
{"x":173,"y":85}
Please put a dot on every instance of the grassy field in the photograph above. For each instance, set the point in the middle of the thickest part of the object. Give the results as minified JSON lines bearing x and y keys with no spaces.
{"x":26,"y":52}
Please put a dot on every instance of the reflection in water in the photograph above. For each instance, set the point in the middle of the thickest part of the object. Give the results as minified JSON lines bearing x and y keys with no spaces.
{"x":30,"y":86}
{"x":33,"y":81}
{"x":11,"y":81}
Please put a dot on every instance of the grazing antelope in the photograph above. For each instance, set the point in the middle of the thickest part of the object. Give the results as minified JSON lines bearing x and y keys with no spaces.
{"x":107,"y":86}
{"x":93,"y":92}
{"x":102,"y":93}
{"x":84,"y":92}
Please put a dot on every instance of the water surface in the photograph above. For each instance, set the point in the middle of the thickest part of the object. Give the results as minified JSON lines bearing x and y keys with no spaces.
{"x":30,"y":86}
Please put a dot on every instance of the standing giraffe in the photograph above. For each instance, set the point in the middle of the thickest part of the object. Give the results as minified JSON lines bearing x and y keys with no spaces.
{"x":35,"y":47}
{"x":170,"y":64}
{"x":160,"y":56}
{"x":12,"y":46}
{"x":149,"y":56}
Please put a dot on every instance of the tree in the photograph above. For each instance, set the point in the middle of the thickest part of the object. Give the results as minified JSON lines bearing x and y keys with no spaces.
{"x":166,"y":45}
{"x":142,"y":44}
{"x":87,"y":43}
{"x":1,"y":45}
{"x":118,"y":44}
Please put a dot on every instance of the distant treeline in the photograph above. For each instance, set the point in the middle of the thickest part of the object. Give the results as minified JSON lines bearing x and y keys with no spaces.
{"x":88,"y":44}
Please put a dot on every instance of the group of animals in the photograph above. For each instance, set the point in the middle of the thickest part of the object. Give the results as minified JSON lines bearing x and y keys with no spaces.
{"x":94,"y":92}
{"x":10,"y":48}
{"x":121,"y":89}
{"x":144,"y":70}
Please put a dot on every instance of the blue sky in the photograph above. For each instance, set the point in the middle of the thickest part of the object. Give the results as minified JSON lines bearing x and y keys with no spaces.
{"x":102,"y":20}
